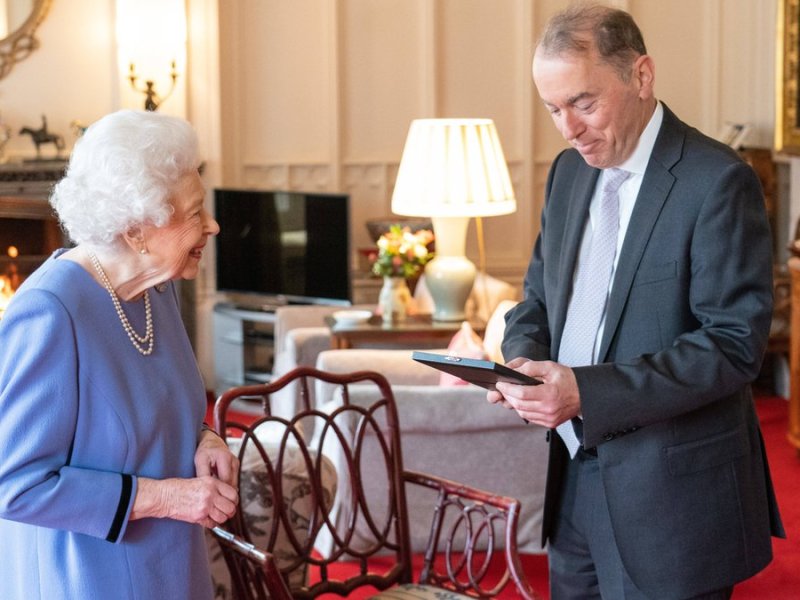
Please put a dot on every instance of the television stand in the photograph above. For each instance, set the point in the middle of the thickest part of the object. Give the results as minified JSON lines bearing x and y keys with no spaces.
{"x":244,"y":344}
{"x":264,"y":308}
{"x":271,"y":304}
{"x":268,"y":304}
{"x":244,"y":340}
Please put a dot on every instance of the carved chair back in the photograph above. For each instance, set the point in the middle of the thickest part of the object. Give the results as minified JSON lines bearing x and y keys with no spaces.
{"x":316,"y":493}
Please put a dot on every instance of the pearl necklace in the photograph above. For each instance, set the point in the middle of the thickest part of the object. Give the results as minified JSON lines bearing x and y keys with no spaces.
{"x":137,"y":340}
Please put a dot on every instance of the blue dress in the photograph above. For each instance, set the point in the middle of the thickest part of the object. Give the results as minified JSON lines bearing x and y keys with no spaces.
{"x":82,"y":415}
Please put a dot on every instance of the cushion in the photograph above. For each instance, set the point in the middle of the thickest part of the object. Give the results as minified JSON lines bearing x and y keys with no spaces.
{"x":415,"y":591}
{"x":486,"y":295}
{"x":495,"y":328}
{"x":256,"y":501}
{"x":467,"y":344}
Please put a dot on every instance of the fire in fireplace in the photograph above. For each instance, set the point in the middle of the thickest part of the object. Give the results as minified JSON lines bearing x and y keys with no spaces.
{"x":24,"y":245}
{"x":29,"y":231}
{"x":9,"y":281}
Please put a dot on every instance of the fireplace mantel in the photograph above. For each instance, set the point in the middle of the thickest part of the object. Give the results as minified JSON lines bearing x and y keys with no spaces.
{"x":32,"y":170}
{"x":33,"y":179}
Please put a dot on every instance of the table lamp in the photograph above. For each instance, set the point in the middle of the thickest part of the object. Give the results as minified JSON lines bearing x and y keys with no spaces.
{"x":451,"y":170}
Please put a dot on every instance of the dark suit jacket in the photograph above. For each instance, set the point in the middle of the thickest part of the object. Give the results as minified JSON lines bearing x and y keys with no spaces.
{"x":669,"y":408}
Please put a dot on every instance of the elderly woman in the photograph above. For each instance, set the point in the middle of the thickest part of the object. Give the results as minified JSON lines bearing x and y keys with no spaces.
{"x":106,"y":469}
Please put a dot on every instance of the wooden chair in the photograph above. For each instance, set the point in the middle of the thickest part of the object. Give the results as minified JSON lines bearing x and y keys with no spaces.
{"x":472,"y":547}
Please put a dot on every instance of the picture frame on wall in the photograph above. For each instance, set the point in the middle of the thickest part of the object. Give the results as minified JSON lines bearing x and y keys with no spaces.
{"x":787,"y":126}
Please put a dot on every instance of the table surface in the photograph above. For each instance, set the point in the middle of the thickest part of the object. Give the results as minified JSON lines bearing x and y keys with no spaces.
{"x":412,"y":331}
{"x":421,"y":322}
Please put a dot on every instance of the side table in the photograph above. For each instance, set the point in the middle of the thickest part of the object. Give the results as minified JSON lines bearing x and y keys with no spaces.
{"x":415,"y":331}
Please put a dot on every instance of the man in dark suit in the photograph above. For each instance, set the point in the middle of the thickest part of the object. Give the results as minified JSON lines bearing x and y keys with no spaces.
{"x":646,"y":336}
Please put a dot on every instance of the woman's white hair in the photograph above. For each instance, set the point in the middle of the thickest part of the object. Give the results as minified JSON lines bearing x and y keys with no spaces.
{"x":121,"y":173}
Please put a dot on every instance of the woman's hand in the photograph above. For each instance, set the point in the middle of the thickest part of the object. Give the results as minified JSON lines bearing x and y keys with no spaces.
{"x":214,"y":458}
{"x":208,"y":499}
{"x":204,"y":500}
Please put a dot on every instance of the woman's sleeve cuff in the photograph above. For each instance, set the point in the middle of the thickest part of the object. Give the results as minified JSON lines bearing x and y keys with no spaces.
{"x":123,"y":508}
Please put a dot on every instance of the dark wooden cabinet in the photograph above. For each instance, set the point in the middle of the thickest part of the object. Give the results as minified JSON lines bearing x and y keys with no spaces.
{"x":794,"y":356}
{"x":785,"y":332}
{"x":764,"y":165}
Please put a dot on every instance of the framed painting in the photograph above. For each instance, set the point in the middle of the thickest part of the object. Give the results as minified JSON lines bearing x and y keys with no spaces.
{"x":787,"y":117}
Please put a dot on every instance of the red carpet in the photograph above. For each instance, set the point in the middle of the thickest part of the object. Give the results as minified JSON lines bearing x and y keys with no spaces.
{"x":781,"y":579}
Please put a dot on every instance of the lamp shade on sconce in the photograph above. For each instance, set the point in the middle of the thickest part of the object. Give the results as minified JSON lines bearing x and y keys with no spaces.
{"x":451,"y":170}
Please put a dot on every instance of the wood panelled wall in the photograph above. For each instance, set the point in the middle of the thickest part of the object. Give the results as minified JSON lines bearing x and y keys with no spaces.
{"x":319,"y":94}
{"x":324,"y":93}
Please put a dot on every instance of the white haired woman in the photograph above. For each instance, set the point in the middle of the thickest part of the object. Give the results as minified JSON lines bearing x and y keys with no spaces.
{"x":106,"y":469}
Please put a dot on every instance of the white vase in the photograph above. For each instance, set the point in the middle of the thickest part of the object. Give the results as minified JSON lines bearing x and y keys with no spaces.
{"x":394,"y":299}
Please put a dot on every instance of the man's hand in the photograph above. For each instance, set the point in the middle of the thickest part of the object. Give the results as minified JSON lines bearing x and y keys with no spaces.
{"x":214,"y":458}
{"x":549,"y":404}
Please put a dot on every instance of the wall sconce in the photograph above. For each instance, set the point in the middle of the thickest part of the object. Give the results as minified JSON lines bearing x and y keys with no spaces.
{"x":152,"y":99}
{"x":151,"y":46}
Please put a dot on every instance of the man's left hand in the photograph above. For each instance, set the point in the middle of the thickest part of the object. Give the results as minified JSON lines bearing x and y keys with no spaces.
{"x":549,"y":404}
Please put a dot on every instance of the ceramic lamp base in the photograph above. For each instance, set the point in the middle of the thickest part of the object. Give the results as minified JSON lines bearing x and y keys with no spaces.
{"x":450,"y":280}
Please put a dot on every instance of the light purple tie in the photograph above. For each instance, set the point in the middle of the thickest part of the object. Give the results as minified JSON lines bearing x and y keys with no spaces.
{"x":590,"y":291}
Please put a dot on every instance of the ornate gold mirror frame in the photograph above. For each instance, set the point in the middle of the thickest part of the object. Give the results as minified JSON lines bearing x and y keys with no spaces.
{"x":21,"y":42}
{"x":787,"y":111}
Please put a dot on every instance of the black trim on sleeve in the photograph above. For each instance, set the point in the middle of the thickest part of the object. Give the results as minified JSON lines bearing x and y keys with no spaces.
{"x":207,"y":427}
{"x":122,"y":508}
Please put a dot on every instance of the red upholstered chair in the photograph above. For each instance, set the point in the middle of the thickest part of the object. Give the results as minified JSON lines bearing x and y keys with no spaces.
{"x":472,"y":548}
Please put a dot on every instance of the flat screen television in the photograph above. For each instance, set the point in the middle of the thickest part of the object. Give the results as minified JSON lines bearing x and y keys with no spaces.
{"x":283,"y":247}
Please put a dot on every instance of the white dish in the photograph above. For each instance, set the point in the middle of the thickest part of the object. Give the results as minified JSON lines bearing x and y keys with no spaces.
{"x":352,"y":317}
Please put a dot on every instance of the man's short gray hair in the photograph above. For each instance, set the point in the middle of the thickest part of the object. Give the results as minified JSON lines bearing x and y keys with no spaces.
{"x":583,"y":27}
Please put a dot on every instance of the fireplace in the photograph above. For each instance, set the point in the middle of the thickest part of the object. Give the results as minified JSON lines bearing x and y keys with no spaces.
{"x":29,"y":231}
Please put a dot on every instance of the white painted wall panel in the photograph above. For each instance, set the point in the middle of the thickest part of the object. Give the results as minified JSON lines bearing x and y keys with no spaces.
{"x":285,"y":94}
{"x":383,"y":62}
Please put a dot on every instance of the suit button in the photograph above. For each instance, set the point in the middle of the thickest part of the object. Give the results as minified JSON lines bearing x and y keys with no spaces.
{"x":608,"y":437}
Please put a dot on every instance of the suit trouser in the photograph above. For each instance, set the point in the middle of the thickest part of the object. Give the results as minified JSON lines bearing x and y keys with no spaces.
{"x":583,"y":556}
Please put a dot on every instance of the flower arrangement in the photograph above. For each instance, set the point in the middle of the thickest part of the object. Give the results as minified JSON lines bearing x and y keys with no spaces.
{"x":402,"y":253}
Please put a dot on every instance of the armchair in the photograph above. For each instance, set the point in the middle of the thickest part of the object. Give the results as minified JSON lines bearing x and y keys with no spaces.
{"x":450,"y":431}
{"x":470,"y":529}
{"x":453,"y":432}
{"x":300,"y":335}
